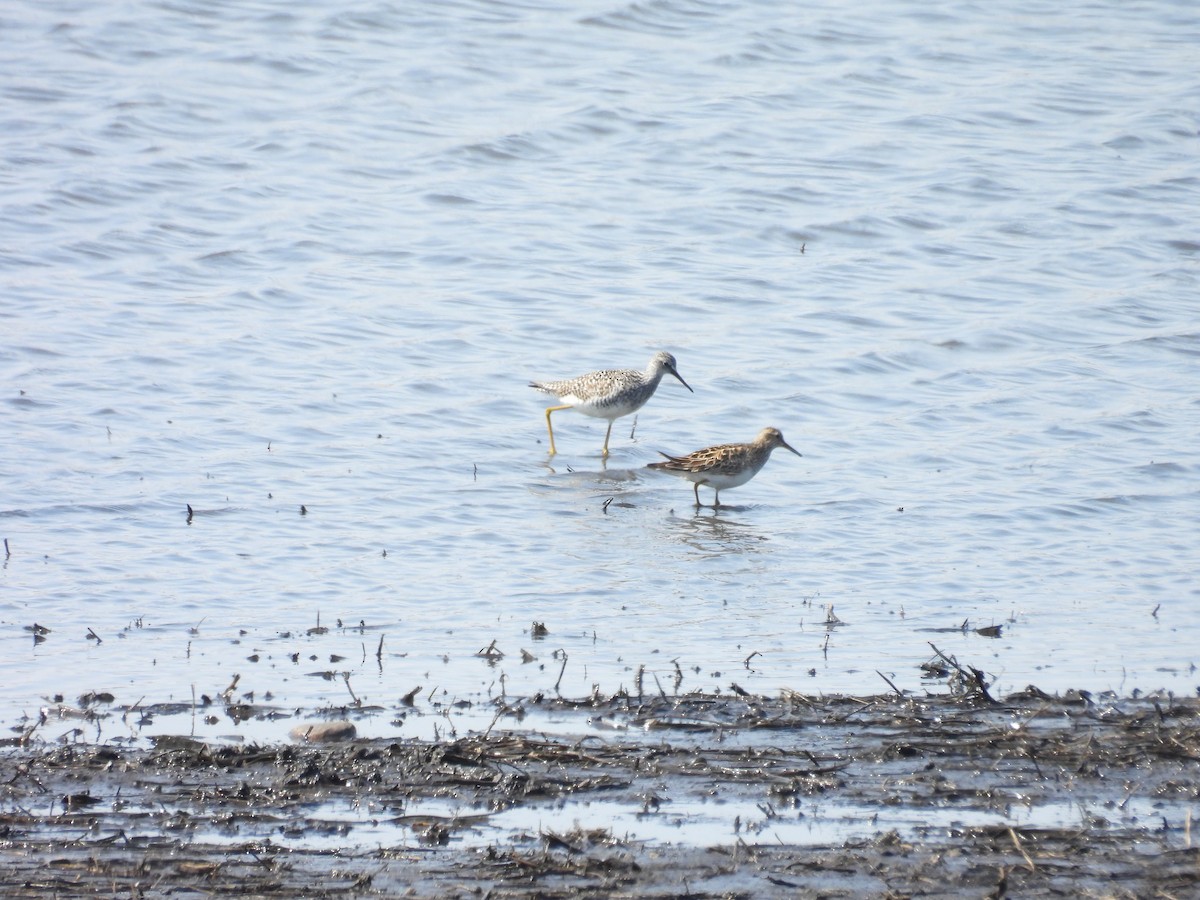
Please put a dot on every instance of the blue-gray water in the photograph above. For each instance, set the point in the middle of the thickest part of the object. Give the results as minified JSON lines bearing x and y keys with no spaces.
{"x":260,"y":255}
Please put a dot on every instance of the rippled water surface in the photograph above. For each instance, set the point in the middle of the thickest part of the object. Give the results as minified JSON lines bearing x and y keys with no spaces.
{"x":294,"y":264}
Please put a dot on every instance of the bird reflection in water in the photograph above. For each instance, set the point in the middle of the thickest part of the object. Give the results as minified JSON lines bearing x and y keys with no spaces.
{"x":717,"y":533}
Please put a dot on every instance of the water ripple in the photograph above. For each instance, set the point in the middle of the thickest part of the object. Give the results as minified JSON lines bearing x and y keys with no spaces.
{"x":264,"y":257}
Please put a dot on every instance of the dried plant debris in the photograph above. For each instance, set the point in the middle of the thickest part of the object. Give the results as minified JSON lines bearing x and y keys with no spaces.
{"x":434,"y":818}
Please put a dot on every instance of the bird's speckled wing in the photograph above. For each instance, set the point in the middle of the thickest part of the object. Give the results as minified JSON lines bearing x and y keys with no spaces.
{"x":595,"y":387}
{"x":724,"y":459}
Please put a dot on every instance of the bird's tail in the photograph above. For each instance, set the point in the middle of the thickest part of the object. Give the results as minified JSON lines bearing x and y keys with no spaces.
{"x":670,"y":461}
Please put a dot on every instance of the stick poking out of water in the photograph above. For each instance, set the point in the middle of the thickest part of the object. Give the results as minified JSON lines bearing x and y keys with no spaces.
{"x":560,"y":672}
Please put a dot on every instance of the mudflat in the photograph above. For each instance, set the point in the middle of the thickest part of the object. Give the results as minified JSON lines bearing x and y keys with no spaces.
{"x":939,"y":796}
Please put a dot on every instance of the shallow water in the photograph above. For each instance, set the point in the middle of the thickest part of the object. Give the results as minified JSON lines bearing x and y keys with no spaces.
{"x":272,"y":258}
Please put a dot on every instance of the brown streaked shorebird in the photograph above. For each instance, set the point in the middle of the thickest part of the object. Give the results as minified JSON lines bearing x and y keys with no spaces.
{"x":726,"y":465}
{"x":609,"y":394}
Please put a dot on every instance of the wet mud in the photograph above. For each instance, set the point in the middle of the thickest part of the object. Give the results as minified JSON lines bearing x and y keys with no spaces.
{"x":953,"y":796}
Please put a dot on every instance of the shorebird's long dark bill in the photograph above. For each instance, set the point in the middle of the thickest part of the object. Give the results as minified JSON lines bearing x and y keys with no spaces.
{"x":680,"y":377}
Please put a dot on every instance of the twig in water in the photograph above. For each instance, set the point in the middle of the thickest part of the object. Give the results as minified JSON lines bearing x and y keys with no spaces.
{"x":973,"y":676}
{"x":950,"y":661}
{"x":318,"y":628}
{"x":746,"y":661}
{"x":409,"y":698}
{"x":346,"y":678}
{"x":561,"y":671}
{"x":496,"y":718}
{"x":92,"y":636}
{"x":661,"y":692}
{"x":899,"y":693}
{"x":379,"y":650}
{"x":125,"y":716}
{"x":1017,"y":842}
{"x":491,"y":652}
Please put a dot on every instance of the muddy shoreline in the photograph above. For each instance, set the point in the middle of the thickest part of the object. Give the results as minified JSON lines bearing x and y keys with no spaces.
{"x":954,"y":796}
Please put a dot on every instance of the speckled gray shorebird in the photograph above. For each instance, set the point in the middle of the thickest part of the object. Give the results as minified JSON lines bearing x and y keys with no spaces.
{"x":609,"y":394}
{"x":726,"y":465}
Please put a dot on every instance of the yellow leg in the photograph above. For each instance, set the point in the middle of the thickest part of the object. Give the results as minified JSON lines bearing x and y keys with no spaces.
{"x":604,"y":452}
{"x":550,"y":428}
